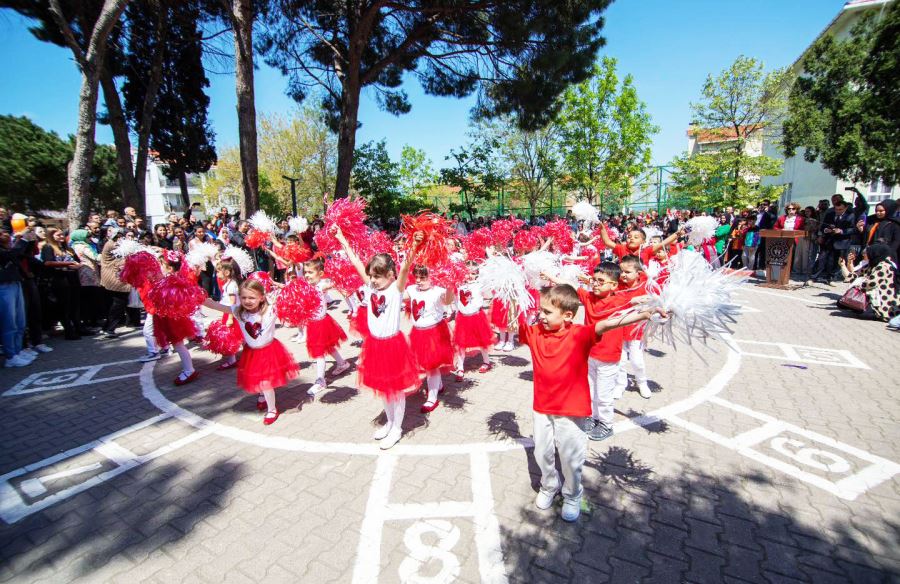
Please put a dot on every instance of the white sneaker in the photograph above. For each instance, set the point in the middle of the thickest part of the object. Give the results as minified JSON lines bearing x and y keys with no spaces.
{"x":316,"y":388}
{"x":645,"y":390}
{"x":544,"y":500}
{"x":42,"y":348}
{"x":381,"y":432}
{"x":571,"y":509}
{"x":298,"y":338}
{"x":150,"y":357}
{"x":392,"y":438}
{"x":17,"y":361}
{"x":29,"y":353}
{"x":509,"y":346}
{"x":619,"y":390}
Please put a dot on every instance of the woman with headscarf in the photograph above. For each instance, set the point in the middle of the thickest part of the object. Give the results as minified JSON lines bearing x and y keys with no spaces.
{"x":115,"y":288}
{"x":88,"y":276}
{"x":883,"y":227}
{"x":880,"y":280}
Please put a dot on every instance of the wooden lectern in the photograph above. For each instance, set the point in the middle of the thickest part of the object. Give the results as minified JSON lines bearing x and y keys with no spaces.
{"x":779,"y":256}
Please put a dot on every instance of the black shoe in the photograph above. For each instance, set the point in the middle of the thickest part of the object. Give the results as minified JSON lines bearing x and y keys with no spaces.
{"x":589,"y":424}
{"x":87,"y":332}
{"x":108,"y":336}
{"x":73,"y":337}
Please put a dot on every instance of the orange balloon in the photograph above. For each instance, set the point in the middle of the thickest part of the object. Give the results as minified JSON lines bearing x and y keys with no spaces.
{"x":18,"y":223}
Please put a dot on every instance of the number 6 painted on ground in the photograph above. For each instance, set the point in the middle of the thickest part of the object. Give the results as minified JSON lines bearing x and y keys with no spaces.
{"x":808,"y":456}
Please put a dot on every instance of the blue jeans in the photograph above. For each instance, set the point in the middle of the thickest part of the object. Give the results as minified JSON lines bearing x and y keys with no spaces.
{"x":12,"y":318}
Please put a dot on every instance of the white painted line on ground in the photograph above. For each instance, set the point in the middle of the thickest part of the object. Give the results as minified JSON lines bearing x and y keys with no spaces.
{"x":65,"y":379}
{"x":785,"y":296}
{"x":487,"y":527}
{"x":806,"y":354}
{"x":368,"y":552}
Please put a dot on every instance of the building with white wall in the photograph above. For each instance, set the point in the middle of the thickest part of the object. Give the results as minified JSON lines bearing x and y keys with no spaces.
{"x":805,"y":182}
{"x":162,"y":195}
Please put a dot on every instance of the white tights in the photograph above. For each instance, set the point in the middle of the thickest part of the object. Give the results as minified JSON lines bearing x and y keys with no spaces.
{"x":187,"y":364}
{"x":269,"y":396}
{"x":459,"y":362}
{"x":395,"y":409}
{"x":320,"y":364}
{"x":433,"y":379}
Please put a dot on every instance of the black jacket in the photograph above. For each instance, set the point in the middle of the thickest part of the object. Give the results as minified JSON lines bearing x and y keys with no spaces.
{"x":10,"y":260}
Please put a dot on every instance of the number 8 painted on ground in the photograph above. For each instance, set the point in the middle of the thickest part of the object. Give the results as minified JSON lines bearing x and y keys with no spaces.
{"x":421,"y":553}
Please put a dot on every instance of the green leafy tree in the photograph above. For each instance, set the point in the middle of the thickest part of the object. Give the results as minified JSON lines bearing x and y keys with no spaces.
{"x":475,"y":176}
{"x":705,"y":181}
{"x":521,"y":54}
{"x":531,"y":159}
{"x":843,"y":109}
{"x":605,"y":133}
{"x":416,"y":171}
{"x":377,"y":179}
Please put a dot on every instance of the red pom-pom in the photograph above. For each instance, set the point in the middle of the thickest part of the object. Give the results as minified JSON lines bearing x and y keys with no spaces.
{"x":263,"y":278}
{"x":295,"y":253}
{"x":175,"y":296}
{"x":381,"y":242}
{"x":223,"y":339}
{"x":503,"y":230}
{"x":525,"y":241}
{"x":450,"y":275}
{"x":298,"y":302}
{"x":477,"y":242}
{"x":350,"y":216}
{"x":256,"y":238}
{"x":433,"y":250}
{"x":140,"y":268}
{"x":561,"y":233}
{"x":342,"y":274}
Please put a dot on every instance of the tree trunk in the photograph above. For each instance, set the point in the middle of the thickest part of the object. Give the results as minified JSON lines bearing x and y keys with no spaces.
{"x":185,"y":196}
{"x":347,"y":135}
{"x":242,"y":24}
{"x":130,"y":195}
{"x":149,"y":105}
{"x":83,"y":157}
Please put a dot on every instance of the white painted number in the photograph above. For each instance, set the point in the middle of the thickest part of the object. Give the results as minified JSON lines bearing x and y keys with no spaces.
{"x":420,"y":552}
{"x":810,"y":456}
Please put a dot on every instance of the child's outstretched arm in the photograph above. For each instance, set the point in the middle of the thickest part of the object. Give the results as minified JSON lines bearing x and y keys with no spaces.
{"x":669,"y":240}
{"x":620,"y":321}
{"x":354,"y":259}
{"x":403,"y":276}
{"x":210,"y":303}
{"x":605,"y":236}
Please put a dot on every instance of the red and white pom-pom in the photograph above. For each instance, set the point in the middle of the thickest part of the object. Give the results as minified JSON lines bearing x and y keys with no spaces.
{"x":298,"y":225}
{"x":262,"y":222}
{"x":476,"y":243}
{"x":561,"y":233}
{"x":255,"y":238}
{"x":126,"y":247}
{"x":223,"y":339}
{"x":571,"y":273}
{"x":450,"y":275}
{"x":380,"y":242}
{"x":700,"y":229}
{"x":349,"y":215}
{"x":263,"y":278}
{"x":342,"y":273}
{"x":295,"y":253}
{"x":503,"y":230}
{"x":140,"y":268}
{"x":506,"y":281}
{"x":241,"y":258}
{"x":200,"y":254}
{"x":525,"y":241}
{"x":299,"y":302}
{"x":536,"y":263}
{"x":584,"y":211}
{"x":433,"y":250}
{"x":175,"y":296}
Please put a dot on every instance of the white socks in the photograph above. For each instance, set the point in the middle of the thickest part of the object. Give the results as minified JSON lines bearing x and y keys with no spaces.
{"x":270,"y":400}
{"x":320,"y":364}
{"x":187,"y":364}
{"x":433,"y":379}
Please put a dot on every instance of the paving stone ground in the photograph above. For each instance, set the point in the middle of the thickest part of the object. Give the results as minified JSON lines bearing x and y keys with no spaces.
{"x":771,"y":457}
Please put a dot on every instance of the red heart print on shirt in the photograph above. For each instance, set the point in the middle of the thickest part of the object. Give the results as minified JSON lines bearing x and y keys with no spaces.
{"x":417,"y":307}
{"x":253,"y":329}
{"x":376,"y":302}
{"x":360,"y":295}
{"x":465,"y":296}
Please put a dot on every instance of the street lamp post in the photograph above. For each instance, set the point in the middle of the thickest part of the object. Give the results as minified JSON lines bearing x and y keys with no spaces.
{"x":293,"y":182}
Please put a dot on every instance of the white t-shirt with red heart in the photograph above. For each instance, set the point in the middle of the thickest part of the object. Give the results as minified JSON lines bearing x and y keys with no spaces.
{"x":258,"y":330}
{"x":426,"y":307}
{"x":469,"y":299}
{"x":384,"y":312}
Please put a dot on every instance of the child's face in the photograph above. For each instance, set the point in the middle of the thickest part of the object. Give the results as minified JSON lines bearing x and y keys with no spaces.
{"x":251,"y":300}
{"x":603,"y":285}
{"x":311,"y":274}
{"x":223,"y":274}
{"x":382,"y":282}
{"x":423,"y":282}
{"x":655,"y":239}
{"x":661,"y":254}
{"x":553,"y":318}
{"x":635,"y":239}
{"x":629,"y":275}
{"x":473,"y":275}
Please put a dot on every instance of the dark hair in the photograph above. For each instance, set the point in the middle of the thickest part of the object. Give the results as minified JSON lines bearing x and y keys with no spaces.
{"x":631,"y":260}
{"x":420,"y":272}
{"x":610,"y":269}
{"x":381,"y":264}
{"x":563,"y":297}
{"x":231,"y":266}
{"x":318,"y":264}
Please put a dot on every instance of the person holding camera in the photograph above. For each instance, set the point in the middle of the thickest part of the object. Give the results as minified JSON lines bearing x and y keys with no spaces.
{"x":834,"y":239}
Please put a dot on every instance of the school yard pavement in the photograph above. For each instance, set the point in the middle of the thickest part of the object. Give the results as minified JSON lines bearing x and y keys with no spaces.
{"x":770,"y":455}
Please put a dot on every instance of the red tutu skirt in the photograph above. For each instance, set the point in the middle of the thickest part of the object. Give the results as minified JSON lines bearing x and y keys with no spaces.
{"x":499,"y":315}
{"x":265,"y":368}
{"x":168,"y":331}
{"x":472,"y":331}
{"x":431,"y":347}
{"x":359,"y":324}
{"x":323,"y":336}
{"x":386,"y":366}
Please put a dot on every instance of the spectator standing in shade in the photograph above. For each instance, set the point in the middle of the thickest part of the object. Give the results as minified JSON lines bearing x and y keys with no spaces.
{"x":116,"y":288}
{"x":12,"y":303}
{"x":61,"y":265}
{"x":88,"y":276}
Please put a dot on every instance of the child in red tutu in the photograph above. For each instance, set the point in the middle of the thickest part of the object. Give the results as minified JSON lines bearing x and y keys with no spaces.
{"x":265,"y":364}
{"x":386,"y":365}
{"x":323,"y":334}
{"x":430,"y":335}
{"x":471,"y":330}
{"x":500,"y":322}
{"x":174,"y":330}
{"x":359,"y":320}
{"x":229,"y":280}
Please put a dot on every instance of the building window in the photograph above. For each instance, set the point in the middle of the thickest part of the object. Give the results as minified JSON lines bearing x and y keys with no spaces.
{"x":879,"y":191}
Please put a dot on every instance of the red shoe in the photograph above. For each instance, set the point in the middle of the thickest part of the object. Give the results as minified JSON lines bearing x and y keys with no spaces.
{"x":459,"y":376}
{"x":224,"y":366}
{"x":429,"y":408}
{"x":192,"y":377}
{"x":269,"y":421}
{"x":261,"y":405}
{"x":485,"y":367}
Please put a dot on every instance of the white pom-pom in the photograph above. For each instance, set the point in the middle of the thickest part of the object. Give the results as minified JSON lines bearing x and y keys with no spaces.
{"x":697,"y":298}
{"x":298,"y":224}
{"x":126,"y":247}
{"x":241,"y":258}
{"x":200,"y":254}
{"x":652,"y":231}
{"x":700,"y":229}
{"x":506,"y":280}
{"x":584,"y":211}
{"x":571,"y":273}
{"x":262,"y":222}
{"x":536,"y":263}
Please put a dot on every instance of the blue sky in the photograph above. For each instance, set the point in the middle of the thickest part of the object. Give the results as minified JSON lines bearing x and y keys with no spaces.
{"x":668,"y":47}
